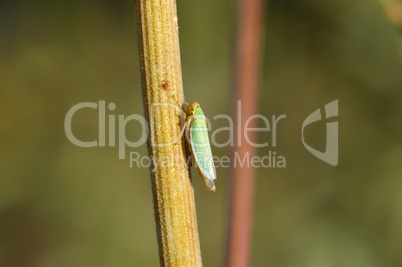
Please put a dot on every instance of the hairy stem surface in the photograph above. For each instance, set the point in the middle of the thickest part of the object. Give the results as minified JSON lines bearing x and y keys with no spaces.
{"x":172,"y":189}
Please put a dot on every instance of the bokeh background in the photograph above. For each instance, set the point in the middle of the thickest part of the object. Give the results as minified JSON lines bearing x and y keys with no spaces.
{"x":62,"y":205}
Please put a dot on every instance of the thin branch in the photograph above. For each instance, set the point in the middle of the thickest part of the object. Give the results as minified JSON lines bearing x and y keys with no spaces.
{"x":172,"y":189}
{"x":246,"y":84}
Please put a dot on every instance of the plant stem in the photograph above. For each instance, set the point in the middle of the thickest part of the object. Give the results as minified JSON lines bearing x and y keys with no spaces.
{"x":246,"y":83}
{"x":172,"y":189}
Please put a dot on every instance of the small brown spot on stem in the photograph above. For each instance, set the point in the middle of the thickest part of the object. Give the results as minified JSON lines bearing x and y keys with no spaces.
{"x":166,"y":86}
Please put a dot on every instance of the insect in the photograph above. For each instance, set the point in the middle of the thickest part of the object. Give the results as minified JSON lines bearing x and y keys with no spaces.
{"x":197,"y":132}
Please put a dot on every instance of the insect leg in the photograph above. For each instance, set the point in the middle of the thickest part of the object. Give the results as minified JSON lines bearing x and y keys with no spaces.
{"x":186,"y":123}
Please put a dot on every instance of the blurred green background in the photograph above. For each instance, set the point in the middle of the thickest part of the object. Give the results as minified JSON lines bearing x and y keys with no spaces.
{"x":62,"y":205}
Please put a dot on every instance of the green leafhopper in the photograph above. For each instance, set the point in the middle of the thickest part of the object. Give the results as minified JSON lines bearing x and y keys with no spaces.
{"x":197,"y":131}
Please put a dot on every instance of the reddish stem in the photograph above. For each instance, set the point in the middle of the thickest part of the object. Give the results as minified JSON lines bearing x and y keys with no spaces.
{"x":246,"y":84}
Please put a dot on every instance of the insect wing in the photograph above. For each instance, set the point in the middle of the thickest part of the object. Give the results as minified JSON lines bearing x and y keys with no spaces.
{"x":201,"y":148}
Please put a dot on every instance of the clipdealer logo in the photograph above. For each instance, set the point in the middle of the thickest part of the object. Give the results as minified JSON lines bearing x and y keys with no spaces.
{"x":107,"y":128}
{"x":330,"y":155}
